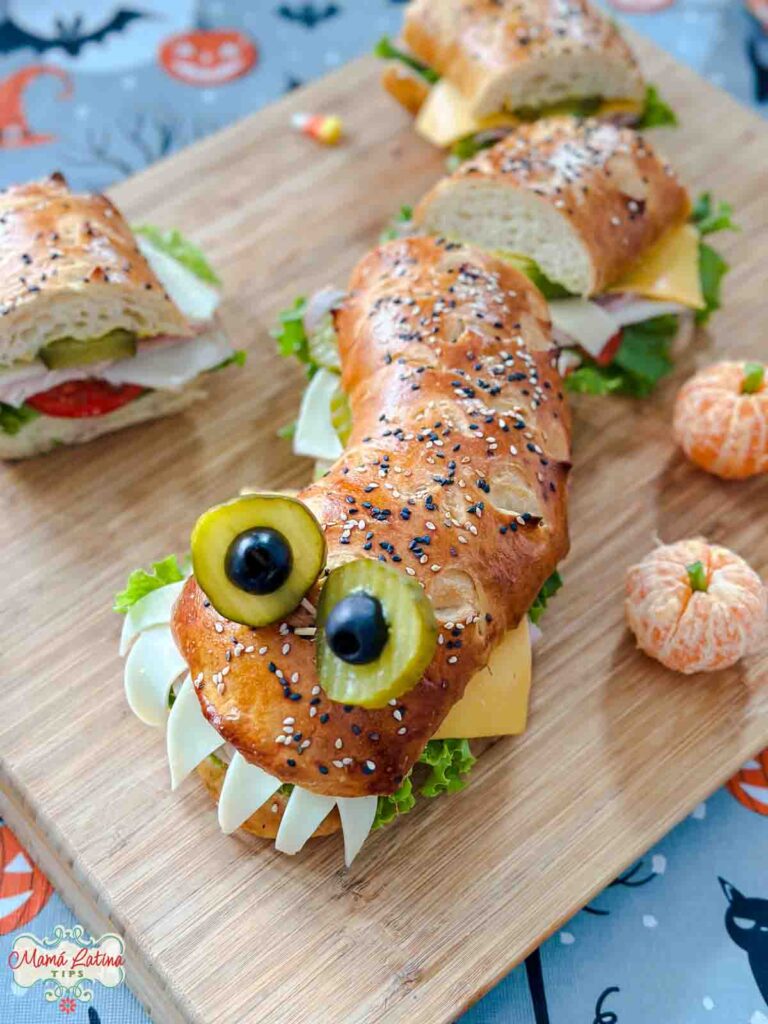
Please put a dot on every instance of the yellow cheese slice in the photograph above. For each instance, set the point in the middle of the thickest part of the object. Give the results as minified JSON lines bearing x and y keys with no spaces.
{"x":668,"y":271}
{"x":495,"y":702}
{"x":446,"y":116}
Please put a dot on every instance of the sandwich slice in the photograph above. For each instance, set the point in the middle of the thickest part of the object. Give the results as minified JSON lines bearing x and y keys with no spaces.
{"x":471,"y":71}
{"x":601,"y":223}
{"x":101,"y":327}
{"x":329,"y":656}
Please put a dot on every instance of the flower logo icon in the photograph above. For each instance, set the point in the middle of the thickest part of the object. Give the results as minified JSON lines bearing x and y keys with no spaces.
{"x":68,"y":1005}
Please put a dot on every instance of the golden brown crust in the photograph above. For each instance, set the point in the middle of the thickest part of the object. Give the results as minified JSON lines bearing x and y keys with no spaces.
{"x":471,"y":41}
{"x":456,"y":403}
{"x":407,"y":88}
{"x":264,"y":822}
{"x":53,"y":241}
{"x":607,"y":181}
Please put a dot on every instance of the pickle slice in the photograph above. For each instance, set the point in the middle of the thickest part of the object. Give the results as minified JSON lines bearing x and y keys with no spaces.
{"x":377,"y":633}
{"x":255,"y":557}
{"x":66,"y":352}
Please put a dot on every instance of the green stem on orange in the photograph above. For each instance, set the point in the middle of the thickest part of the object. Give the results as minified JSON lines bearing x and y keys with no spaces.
{"x":697,"y":576}
{"x":754,"y":375}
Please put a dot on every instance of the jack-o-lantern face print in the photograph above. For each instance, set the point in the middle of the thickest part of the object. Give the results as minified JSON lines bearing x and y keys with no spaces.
{"x":208,"y":57}
{"x":750,"y":785}
{"x":24,"y":889}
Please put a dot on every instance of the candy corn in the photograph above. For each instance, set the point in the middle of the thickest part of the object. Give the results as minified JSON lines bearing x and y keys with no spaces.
{"x":325,"y":128}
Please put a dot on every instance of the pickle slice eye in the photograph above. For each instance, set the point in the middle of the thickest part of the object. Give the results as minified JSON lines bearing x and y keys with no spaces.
{"x":377,"y":633}
{"x":66,"y":352}
{"x":257,"y":556}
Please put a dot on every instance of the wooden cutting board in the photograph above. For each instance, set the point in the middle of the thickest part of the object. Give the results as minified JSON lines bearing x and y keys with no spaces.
{"x":441,"y":905}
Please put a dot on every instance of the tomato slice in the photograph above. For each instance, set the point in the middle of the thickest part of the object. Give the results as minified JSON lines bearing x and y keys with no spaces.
{"x":610,"y":349}
{"x":77,"y":399}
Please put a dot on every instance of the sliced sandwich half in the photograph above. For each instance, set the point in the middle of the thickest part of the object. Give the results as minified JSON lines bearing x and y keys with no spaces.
{"x":472,"y":69}
{"x":101,"y":328}
{"x":599,"y":220}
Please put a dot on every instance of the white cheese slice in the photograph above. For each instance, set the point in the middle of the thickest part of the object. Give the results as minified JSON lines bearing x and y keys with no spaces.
{"x":196,"y":299}
{"x":303,"y":813}
{"x":171,"y":367}
{"x":190,"y":736}
{"x":634,"y":311}
{"x":586,"y":323}
{"x":246,"y":788}
{"x":154,"y":609}
{"x":315,"y":434}
{"x":357,"y":814}
{"x":151,"y":668}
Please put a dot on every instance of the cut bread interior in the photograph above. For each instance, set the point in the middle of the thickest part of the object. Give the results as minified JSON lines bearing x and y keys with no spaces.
{"x":493,"y":216}
{"x":562,"y":76}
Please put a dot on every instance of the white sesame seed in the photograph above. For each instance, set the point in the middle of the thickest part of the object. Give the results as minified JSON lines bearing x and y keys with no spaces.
{"x":218,"y":627}
{"x":338,"y":743}
{"x":285,"y":649}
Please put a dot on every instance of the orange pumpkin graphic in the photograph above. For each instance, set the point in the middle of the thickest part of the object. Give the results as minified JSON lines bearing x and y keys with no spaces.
{"x":24,"y":889}
{"x":207,"y":57}
{"x":750,"y":785}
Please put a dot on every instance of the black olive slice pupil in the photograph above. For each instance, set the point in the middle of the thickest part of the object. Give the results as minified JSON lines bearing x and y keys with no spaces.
{"x":259,"y":561}
{"x":356,"y":629}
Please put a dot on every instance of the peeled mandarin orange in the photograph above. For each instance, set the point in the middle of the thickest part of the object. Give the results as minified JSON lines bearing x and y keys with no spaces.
{"x":721,"y":419}
{"x":696,"y":607}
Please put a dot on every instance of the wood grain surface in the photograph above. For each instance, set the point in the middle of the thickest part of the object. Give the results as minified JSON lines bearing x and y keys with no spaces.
{"x":439,"y":906}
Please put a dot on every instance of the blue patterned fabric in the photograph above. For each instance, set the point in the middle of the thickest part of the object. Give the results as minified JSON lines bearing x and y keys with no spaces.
{"x":100,"y":90}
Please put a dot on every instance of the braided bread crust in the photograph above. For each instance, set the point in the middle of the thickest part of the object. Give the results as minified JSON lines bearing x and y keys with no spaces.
{"x":455,"y":473}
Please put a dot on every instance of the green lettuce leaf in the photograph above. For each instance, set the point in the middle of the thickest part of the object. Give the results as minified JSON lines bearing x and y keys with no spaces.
{"x":656,"y":112}
{"x":549,"y":289}
{"x":176,"y":245}
{"x":448,"y":761}
{"x":591,"y":379}
{"x":469,"y":146}
{"x":140,"y":582}
{"x":388,"y":51}
{"x":237,"y":358}
{"x":12,"y":419}
{"x":550,"y":588}
{"x":641,"y":362}
{"x":712,"y":270}
{"x":291,"y":337}
{"x":389,"y":807}
{"x":403,"y":216}
{"x":710,"y":217}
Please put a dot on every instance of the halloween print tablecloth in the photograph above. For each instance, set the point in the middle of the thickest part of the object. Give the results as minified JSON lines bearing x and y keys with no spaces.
{"x":102,"y":89}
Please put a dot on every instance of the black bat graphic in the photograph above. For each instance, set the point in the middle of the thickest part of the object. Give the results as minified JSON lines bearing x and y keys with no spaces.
{"x":308,"y":15}
{"x":68,"y":35}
